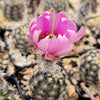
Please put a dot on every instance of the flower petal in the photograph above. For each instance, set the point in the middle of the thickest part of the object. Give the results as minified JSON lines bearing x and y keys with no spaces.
{"x":34,"y":41}
{"x":59,"y":46}
{"x":80,"y":33}
{"x":49,"y":56}
{"x":62,"y":23}
{"x":43,"y":23}
{"x":32,"y":28}
{"x":36,"y":36}
{"x":29,"y":40}
{"x":43,"y":44}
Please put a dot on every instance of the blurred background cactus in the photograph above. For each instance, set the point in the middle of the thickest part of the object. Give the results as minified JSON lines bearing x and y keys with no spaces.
{"x":19,"y":40}
{"x":31,"y":6}
{"x":90,"y":65}
{"x":58,"y":5}
{"x":93,"y":4}
{"x":86,"y":7}
{"x":13,"y":9}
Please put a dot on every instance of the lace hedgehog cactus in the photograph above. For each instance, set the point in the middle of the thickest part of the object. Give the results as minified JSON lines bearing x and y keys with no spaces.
{"x":53,"y":36}
{"x":90,"y":65}
{"x":48,"y":83}
{"x":58,"y":5}
{"x":13,"y":9}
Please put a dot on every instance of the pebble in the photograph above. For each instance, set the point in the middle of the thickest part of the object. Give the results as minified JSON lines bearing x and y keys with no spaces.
{"x":71,"y":89}
{"x":5,"y":62}
{"x":5,"y":57}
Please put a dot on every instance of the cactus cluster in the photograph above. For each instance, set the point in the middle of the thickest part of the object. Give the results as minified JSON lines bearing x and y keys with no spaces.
{"x":6,"y":90}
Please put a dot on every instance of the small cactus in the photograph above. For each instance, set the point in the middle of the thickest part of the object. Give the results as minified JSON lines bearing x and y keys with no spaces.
{"x":83,"y":11}
{"x":31,"y":6}
{"x":58,"y":5}
{"x":19,"y":40}
{"x":13,"y":9}
{"x":48,"y":82}
{"x":90,"y":65}
{"x":93,"y":4}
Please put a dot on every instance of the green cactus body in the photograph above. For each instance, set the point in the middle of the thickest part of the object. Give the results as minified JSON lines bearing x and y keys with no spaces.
{"x":13,"y":9}
{"x":58,"y":5}
{"x":19,"y":40}
{"x":48,"y":82}
{"x":90,"y":65}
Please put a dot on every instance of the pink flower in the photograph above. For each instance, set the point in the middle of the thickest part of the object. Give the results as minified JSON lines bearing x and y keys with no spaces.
{"x":54,"y":34}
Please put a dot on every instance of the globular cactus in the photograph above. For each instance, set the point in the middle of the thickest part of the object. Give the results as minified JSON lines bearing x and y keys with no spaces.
{"x":93,"y":4}
{"x":48,"y":82}
{"x":13,"y":9}
{"x":31,"y":6}
{"x":83,"y":11}
{"x":90,"y":65}
{"x":19,"y":40}
{"x":58,"y":5}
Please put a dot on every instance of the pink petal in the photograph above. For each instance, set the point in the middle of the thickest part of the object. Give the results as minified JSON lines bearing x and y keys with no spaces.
{"x":43,"y":44}
{"x":62,"y":23}
{"x":80,"y":33}
{"x":49,"y":56}
{"x":71,"y":35}
{"x":66,"y":51}
{"x":32,"y":28}
{"x":36,"y":36}
{"x":43,"y":23}
{"x":52,"y":21}
{"x":29,"y":40}
{"x":59,"y":46}
{"x":99,"y":95}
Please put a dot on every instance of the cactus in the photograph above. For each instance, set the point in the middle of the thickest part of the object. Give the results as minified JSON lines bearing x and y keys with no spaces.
{"x":90,"y":65}
{"x":93,"y":4}
{"x":13,"y":9}
{"x":83,"y":11}
{"x":19,"y":40}
{"x":31,"y":6}
{"x":48,"y":81}
{"x":58,"y":5}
